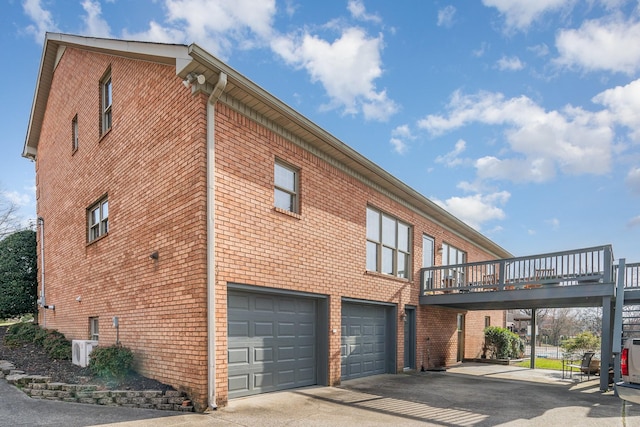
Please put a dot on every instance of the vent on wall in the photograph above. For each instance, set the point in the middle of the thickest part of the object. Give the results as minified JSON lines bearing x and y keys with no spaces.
{"x":81,"y":349}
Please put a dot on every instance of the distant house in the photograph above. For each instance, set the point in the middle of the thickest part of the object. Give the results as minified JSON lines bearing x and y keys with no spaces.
{"x":242,"y":248}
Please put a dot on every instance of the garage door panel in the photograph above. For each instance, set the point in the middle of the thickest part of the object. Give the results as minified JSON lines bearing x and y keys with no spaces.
{"x":263,"y":304}
{"x":239,"y":356}
{"x":239,"y":383}
{"x":364,"y":348}
{"x":263,"y":329}
{"x":280,"y":341}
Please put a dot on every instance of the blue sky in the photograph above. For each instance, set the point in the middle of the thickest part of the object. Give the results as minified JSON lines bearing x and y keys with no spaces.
{"x":522,"y":118}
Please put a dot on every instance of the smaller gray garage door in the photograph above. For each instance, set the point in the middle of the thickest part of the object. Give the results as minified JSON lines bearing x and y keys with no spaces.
{"x":367,"y":346}
{"x":272,"y":342}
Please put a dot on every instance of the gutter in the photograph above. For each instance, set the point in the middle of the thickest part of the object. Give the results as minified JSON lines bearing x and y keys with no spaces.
{"x":218,"y":89}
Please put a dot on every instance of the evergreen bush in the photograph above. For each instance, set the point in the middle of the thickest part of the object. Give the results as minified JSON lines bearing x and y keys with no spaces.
{"x":113,"y":362}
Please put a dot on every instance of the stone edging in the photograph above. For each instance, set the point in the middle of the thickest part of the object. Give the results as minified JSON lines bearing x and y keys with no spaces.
{"x":41,"y":387}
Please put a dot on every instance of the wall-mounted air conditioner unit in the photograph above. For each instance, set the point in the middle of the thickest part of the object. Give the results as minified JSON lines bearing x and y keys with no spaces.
{"x":81,"y":349}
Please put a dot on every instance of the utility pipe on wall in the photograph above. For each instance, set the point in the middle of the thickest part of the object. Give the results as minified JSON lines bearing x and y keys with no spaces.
{"x":211,"y":278}
{"x":43,"y":301}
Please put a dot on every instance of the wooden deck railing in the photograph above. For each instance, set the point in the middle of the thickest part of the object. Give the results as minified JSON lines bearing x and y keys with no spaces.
{"x":568,"y":268}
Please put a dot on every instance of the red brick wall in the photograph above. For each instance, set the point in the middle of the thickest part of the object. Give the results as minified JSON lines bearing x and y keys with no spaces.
{"x":152,"y":166}
{"x":322,"y":250}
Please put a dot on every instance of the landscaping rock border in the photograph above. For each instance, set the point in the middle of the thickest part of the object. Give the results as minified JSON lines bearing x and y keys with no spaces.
{"x":41,"y":387}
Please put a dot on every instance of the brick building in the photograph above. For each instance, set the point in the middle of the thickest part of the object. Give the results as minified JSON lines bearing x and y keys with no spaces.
{"x":242,"y":248}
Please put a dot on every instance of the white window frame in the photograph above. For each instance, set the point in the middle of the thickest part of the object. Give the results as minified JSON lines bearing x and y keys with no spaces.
{"x":289,"y":190}
{"x":106,"y":102}
{"x":94,"y":328}
{"x":388,"y":253}
{"x":98,"y":224}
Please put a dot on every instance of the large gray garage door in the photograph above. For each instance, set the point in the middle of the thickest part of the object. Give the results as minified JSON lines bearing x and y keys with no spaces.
{"x":272,"y":342}
{"x":366,"y":347}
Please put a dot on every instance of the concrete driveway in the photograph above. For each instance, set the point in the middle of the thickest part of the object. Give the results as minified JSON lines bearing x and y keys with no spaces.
{"x":470,"y":395}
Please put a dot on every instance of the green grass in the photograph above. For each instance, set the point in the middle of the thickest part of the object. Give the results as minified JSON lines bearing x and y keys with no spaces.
{"x":544,"y":363}
{"x":8,"y":322}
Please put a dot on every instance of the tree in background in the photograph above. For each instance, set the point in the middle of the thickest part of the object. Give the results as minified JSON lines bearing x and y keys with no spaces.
{"x":8,"y":221}
{"x":18,"y":274}
{"x":584,"y":341}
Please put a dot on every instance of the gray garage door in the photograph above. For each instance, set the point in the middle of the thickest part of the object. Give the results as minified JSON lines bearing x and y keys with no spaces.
{"x":272,"y":342}
{"x":366,"y":348}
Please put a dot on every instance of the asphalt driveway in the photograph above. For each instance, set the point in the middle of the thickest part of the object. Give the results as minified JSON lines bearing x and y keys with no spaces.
{"x":471,"y":395}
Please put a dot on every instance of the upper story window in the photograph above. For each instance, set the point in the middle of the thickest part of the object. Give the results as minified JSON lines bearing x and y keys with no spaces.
{"x":450,"y":256}
{"x":74,"y":133}
{"x":388,"y":244}
{"x":286,"y":179}
{"x":98,"y":219}
{"x":427,"y":251}
{"x":105,"y":103}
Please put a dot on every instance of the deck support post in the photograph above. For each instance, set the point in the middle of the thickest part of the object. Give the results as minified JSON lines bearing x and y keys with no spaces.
{"x":606,"y":342}
{"x":533,"y":338}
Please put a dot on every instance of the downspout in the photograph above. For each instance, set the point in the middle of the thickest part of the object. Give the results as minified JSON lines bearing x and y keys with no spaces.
{"x":211,"y":269}
{"x":42,"y":297}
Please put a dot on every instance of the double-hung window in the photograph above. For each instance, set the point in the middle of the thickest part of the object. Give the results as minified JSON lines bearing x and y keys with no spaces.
{"x":286,"y":180}
{"x":105,"y":103}
{"x":98,"y":219}
{"x":388,"y":244}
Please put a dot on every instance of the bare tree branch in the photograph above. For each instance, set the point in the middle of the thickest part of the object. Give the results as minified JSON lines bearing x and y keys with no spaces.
{"x":8,"y":219}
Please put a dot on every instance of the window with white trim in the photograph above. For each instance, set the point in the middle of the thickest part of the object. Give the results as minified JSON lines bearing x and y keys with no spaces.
{"x":286,"y":180}
{"x":94,"y":328}
{"x":98,"y":219}
{"x":388,"y":244}
{"x":106,"y":100}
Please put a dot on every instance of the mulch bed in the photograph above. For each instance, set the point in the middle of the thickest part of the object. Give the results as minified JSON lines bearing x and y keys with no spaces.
{"x":33,"y":360}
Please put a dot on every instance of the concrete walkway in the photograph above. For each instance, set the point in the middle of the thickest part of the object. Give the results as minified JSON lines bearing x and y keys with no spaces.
{"x":469,"y":395}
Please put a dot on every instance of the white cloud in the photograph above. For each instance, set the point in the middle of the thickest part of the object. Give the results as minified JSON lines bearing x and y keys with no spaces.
{"x":399,"y":135}
{"x":572,"y":140}
{"x":539,"y":49}
{"x":358,"y":11}
{"x":346,"y":68}
{"x":399,"y":146}
{"x":226,"y":25}
{"x":17,"y":199}
{"x":520,"y":14}
{"x":611,"y":44}
{"x":484,"y":46}
{"x":452,"y":158}
{"x":42,"y":20}
{"x":554,"y":223}
{"x":510,"y":64}
{"x":623,"y":104}
{"x":477,"y":209}
{"x":157,"y":33}
{"x":95,"y":26}
{"x":633,"y":181}
{"x":634,"y":222}
{"x":446,"y":16}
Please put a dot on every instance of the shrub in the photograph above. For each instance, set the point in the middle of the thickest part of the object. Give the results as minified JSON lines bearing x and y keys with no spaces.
{"x":113,"y":362}
{"x":503,"y":343}
{"x":20,"y":333}
{"x":53,"y":342}
{"x":56,"y":345}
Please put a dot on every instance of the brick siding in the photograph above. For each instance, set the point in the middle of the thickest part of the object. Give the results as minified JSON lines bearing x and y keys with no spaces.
{"x":152,"y":165}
